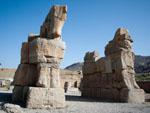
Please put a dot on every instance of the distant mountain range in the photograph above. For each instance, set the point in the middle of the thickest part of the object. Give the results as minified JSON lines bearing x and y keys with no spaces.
{"x":142,"y":65}
{"x":75,"y":67}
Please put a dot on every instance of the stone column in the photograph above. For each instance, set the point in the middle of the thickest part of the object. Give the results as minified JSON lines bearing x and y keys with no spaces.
{"x":37,"y":79}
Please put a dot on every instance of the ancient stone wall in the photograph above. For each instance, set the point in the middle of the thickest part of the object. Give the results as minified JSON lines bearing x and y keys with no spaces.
{"x":37,"y":78}
{"x":112,"y":77}
{"x":7,"y":73}
{"x":72,"y":78}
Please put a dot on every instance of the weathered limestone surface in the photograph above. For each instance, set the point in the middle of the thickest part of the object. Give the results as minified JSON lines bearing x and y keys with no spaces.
{"x":12,"y":108}
{"x":37,"y":78}
{"x":42,"y":50}
{"x":54,"y":22}
{"x":89,"y":61}
{"x":25,"y":52}
{"x":112,"y":77}
{"x":132,"y":95}
{"x":38,"y":97}
{"x":32,"y":36}
{"x":55,"y":95}
{"x":48,"y":76}
{"x":26,"y":74}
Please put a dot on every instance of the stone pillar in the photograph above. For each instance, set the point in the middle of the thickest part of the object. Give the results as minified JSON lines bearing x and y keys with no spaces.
{"x":120,"y":52}
{"x":37,"y":79}
{"x":112,"y":77}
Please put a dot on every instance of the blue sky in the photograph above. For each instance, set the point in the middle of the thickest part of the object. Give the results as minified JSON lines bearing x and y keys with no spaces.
{"x":90,"y":25}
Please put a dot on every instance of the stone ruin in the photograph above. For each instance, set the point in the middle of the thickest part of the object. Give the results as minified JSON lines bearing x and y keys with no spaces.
{"x":37,"y":79}
{"x":112,"y":78}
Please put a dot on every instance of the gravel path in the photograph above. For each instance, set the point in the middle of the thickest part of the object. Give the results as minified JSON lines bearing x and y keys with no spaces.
{"x":77,"y":104}
{"x":83,"y":105}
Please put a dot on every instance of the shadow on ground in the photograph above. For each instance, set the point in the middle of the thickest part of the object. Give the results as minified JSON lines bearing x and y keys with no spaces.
{"x":5,"y":97}
{"x":92,"y":99}
{"x":85,"y":99}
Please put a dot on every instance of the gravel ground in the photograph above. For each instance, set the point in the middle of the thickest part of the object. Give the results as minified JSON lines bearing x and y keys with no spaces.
{"x":84,"y":105}
{"x":77,"y":104}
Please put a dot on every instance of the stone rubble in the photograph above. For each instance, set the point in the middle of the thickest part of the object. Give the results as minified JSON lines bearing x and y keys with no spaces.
{"x":12,"y":108}
{"x":37,"y":79}
{"x":112,"y":77}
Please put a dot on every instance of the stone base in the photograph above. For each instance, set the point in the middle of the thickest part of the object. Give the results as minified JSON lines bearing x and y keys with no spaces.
{"x":37,"y":97}
{"x":45,"y":98}
{"x":102,"y":94}
{"x":132,"y":95}
{"x":125,"y":95}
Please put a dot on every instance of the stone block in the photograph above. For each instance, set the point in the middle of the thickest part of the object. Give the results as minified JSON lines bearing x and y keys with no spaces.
{"x":26,"y":74}
{"x":45,"y":98}
{"x":20,"y":77}
{"x":127,"y":59}
{"x":109,"y":82}
{"x":53,"y":60}
{"x":44,"y":76}
{"x":109,"y":94}
{"x":25,"y":52}
{"x":115,"y":95}
{"x":116,"y":63}
{"x":132,"y":95}
{"x":54,"y":22}
{"x":104,"y":65}
{"x":91,"y":56}
{"x":42,"y":50}
{"x":107,"y":65}
{"x":86,"y":92}
{"x":106,"y":94}
{"x":98,"y":92}
{"x":48,"y":76}
{"x":89,"y":68}
{"x":103,"y":81}
{"x":55,"y":78}
{"x":32,"y":36}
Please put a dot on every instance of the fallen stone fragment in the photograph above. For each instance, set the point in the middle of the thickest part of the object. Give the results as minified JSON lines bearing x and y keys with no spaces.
{"x":12,"y":108}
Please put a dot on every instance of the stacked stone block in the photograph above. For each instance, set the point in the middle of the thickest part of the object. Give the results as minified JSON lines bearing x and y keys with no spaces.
{"x":112,"y":77}
{"x":37,"y":79}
